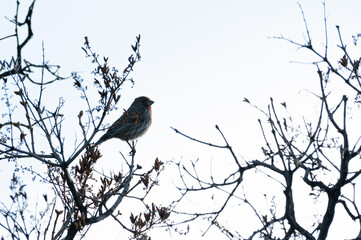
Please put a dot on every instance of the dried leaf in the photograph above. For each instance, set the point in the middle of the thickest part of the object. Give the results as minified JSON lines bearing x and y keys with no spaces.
{"x":82,"y":218}
{"x":356,"y":65}
{"x":343,"y":61}
{"x":147,"y":216}
{"x":58,"y":212}
{"x":86,"y":40}
{"x":157,"y":164}
{"x":23,"y":103}
{"x":22,"y":136}
{"x":285,"y":124}
{"x":246,"y":100}
{"x":77,"y":83}
{"x":145,"y":180}
{"x":20,"y":92}
{"x":163,"y":213}
{"x":133,"y":218}
{"x":86,"y":52}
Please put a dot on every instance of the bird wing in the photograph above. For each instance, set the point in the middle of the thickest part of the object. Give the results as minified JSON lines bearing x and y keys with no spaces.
{"x":128,"y":119}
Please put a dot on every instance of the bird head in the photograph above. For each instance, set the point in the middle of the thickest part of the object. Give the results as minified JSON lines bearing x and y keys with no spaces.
{"x":145,"y":101}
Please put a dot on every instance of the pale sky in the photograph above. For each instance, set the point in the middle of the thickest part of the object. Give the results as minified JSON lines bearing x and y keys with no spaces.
{"x":200,"y":58}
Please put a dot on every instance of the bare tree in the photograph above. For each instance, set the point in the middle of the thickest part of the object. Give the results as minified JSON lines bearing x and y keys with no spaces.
{"x":33,"y":130}
{"x":324,"y":152}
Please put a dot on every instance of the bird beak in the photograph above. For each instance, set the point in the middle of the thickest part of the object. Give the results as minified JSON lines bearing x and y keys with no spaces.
{"x":150,"y":102}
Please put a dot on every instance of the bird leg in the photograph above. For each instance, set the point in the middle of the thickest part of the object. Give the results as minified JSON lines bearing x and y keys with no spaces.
{"x":132,"y":147}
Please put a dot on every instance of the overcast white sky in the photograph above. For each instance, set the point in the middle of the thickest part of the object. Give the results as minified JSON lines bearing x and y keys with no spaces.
{"x":200,"y":58}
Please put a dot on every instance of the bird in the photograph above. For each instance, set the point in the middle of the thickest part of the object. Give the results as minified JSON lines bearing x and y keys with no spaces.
{"x":133,"y":123}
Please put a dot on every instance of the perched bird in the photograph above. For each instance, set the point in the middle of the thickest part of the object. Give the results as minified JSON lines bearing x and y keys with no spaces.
{"x":132,"y":124}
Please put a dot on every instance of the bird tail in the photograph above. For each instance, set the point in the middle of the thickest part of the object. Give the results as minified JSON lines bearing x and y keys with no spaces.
{"x":92,"y":146}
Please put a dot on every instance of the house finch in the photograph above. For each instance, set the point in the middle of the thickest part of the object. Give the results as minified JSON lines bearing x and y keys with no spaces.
{"x":132,"y":124}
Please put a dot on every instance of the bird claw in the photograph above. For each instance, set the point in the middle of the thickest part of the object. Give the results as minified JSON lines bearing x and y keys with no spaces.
{"x":132,"y":147}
